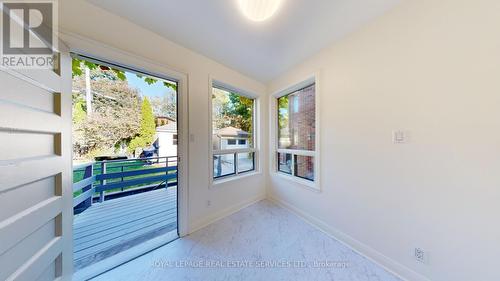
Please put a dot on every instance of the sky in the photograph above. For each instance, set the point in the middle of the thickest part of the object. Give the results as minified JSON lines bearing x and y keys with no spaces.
{"x":154,"y":90}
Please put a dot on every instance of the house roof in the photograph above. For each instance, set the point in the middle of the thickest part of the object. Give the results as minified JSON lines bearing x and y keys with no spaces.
{"x":231,"y":132}
{"x":171,"y":126}
{"x":165,"y":117}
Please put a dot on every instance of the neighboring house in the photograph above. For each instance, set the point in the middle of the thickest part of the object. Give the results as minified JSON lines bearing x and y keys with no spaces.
{"x":230,"y":138}
{"x":163,"y":120}
{"x":167,"y":139}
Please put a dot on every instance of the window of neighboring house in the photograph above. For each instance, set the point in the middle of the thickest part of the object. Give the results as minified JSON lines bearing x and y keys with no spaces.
{"x":296,"y":134}
{"x":174,"y":139}
{"x":233,"y":118}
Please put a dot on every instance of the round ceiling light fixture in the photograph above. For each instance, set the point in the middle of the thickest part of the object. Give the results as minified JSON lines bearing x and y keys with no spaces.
{"x":259,"y":10}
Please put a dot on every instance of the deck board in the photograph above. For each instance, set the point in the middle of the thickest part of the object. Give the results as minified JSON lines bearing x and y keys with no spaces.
{"x":116,"y":225}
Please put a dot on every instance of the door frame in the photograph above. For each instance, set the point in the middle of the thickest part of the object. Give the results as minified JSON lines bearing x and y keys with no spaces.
{"x":88,"y":47}
{"x":97,"y":50}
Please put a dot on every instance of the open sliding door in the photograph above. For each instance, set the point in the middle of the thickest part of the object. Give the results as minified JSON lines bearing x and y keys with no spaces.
{"x":35,"y":173}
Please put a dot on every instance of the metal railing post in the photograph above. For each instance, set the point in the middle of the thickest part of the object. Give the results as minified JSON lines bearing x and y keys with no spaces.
{"x":219,"y":165}
{"x":89,"y":172}
{"x":103,"y":182}
{"x":166,"y":172}
{"x":122,"y":177}
{"x":236,"y":163}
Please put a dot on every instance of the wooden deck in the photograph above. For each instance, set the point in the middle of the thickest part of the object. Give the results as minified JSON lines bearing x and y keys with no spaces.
{"x":113,"y":226}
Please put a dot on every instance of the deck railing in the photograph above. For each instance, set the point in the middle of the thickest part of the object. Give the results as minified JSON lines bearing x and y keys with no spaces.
{"x":100,"y":180}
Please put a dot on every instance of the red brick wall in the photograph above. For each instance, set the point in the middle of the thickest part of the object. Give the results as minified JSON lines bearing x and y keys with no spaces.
{"x":302,"y":116}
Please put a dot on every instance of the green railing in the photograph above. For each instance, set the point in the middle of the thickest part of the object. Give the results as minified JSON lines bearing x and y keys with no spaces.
{"x":103,"y":180}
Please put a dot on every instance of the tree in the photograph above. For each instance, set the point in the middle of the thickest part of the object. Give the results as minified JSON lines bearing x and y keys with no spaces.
{"x":220,"y":101}
{"x":283,"y":105}
{"x":165,"y":105}
{"x":148,"y":128}
{"x":231,"y":109}
{"x":119,"y":118}
{"x":240,"y":111}
{"x":115,"y":119}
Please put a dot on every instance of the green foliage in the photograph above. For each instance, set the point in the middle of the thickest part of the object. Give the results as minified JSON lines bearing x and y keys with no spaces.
{"x":79,"y":112}
{"x":77,"y":70}
{"x":283,"y":104}
{"x":120,"y":74}
{"x":240,"y":112}
{"x":231,"y":109}
{"x":78,"y":64}
{"x":150,"y":81}
{"x":120,"y":120}
{"x":115,"y":116}
{"x":148,"y":128}
{"x":137,"y":142}
{"x":170,"y":85}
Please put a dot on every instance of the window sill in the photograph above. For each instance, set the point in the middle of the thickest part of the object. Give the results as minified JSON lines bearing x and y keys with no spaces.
{"x":309,"y":185}
{"x":219,"y":181}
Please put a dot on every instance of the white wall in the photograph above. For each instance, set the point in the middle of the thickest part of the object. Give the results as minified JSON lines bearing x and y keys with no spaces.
{"x":83,"y":19}
{"x":166,"y":142}
{"x":432,"y":68}
{"x":225,"y":145}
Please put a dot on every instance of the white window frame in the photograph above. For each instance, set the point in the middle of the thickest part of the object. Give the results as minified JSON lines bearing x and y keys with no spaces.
{"x":255,"y":136}
{"x":312,"y":185}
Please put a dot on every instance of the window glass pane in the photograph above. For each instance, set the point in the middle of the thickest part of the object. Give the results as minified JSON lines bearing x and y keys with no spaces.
{"x":245,"y":162}
{"x":285,"y":163}
{"x":223,"y":165}
{"x":296,"y":120}
{"x":232,"y":117}
{"x":304,"y":167}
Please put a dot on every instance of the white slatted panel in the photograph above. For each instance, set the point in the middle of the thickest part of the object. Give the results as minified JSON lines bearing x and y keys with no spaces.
{"x":35,"y":174}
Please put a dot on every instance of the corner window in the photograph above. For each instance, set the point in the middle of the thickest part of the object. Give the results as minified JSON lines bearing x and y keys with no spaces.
{"x":296,"y":134}
{"x":233,"y":132}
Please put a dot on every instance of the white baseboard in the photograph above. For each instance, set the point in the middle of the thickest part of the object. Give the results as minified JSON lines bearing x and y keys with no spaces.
{"x":224,"y":213}
{"x":383,"y":261}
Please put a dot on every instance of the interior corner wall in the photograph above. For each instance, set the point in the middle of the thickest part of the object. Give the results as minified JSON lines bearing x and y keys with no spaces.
{"x":432,"y":69}
{"x":83,"y":19}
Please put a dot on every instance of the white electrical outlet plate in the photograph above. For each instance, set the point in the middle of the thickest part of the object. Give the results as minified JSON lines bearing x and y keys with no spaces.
{"x":399,"y":136}
{"x":420,"y":255}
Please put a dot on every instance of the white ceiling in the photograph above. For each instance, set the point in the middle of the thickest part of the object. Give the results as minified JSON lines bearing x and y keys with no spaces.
{"x":218,"y":30}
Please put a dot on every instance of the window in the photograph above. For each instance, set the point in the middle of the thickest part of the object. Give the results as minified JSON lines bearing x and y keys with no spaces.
{"x":296,"y":134}
{"x":233,"y":132}
{"x":174,"y":139}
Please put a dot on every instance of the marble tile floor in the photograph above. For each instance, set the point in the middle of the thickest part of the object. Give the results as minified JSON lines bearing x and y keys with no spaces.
{"x":260,"y":242}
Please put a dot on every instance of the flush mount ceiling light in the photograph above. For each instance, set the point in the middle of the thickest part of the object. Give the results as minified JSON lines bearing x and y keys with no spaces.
{"x":259,"y":10}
